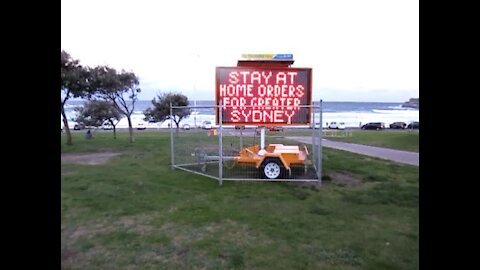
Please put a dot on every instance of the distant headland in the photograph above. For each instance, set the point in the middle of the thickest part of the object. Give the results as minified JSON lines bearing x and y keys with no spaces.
{"x":412,"y":103}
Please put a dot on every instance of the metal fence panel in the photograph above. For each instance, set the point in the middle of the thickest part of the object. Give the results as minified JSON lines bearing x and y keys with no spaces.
{"x":214,"y":151}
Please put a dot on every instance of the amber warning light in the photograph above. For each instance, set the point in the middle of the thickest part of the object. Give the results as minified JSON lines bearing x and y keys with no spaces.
{"x":264,"y":96}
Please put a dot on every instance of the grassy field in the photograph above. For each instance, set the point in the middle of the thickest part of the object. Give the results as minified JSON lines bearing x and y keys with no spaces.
{"x":134,"y":212}
{"x":395,"y":139}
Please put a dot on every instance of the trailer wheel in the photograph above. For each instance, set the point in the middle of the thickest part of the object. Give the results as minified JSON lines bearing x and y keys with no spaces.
{"x":272,"y":169}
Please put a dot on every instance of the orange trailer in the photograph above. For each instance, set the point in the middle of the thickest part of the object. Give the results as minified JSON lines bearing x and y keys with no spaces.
{"x":275,"y":161}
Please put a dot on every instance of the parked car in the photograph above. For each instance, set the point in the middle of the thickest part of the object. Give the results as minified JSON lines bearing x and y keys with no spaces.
{"x":239,"y":127}
{"x":398,"y":125}
{"x":374,"y":125}
{"x":207,"y":125}
{"x":414,"y":125}
{"x":275,"y":128}
{"x":79,"y":126}
{"x":316,"y":125}
{"x":186,"y":126}
{"x":141,"y":125}
{"x":336,"y":125}
{"x":71,"y":125}
{"x":107,"y":126}
{"x":332,"y":125}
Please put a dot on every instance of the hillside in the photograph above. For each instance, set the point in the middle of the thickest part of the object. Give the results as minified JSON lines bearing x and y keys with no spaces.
{"x":412,"y":103}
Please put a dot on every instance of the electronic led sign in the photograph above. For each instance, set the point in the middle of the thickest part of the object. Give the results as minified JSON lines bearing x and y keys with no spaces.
{"x":264,"y":96}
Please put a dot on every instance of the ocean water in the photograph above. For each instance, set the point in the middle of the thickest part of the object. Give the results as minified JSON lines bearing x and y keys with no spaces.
{"x":353,"y":114}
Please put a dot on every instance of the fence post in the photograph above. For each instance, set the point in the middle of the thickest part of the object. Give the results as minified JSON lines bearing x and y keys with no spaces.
{"x":313,"y":133}
{"x":320,"y":156}
{"x":220,"y":144}
{"x":171,"y":138}
{"x":241,"y":138}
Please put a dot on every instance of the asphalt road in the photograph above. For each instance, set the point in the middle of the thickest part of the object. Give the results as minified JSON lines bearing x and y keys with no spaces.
{"x":399,"y":156}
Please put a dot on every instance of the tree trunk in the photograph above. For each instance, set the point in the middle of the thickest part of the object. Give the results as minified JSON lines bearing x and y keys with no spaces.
{"x":176,"y":124}
{"x":130,"y":129}
{"x":65,"y":126}
{"x":114,"y":129}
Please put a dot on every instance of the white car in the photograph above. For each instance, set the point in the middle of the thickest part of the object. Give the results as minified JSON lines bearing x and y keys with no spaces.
{"x":336,"y":125}
{"x":141,"y":125}
{"x":107,"y":126}
{"x":72,"y":125}
{"x":207,"y":125}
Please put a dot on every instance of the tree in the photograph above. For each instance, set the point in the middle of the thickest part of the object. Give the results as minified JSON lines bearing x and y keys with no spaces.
{"x":121,"y":88}
{"x":95,"y":112}
{"x":161,"y":108}
{"x":75,"y":82}
{"x":84,"y":117}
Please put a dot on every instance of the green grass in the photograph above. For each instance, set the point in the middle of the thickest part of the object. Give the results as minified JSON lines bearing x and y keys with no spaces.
{"x":136,"y":213}
{"x":396,"y":139}
{"x":407,"y":140}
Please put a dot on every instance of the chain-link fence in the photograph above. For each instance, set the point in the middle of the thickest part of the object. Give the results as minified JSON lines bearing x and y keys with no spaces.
{"x":236,"y":152}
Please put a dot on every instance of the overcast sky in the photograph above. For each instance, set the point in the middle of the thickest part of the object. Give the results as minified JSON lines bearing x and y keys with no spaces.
{"x":359,"y":50}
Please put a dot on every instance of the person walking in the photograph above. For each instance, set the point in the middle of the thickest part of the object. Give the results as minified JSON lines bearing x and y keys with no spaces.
{"x":88,"y":135}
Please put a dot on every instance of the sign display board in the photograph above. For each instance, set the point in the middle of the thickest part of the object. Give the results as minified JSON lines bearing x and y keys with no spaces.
{"x":268,"y":56}
{"x":264,"y":96}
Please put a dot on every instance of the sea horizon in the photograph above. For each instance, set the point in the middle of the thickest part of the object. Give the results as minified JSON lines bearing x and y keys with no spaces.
{"x":352,"y":113}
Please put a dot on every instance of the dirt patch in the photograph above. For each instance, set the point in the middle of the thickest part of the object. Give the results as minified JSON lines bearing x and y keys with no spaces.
{"x":89,"y":158}
{"x":137,"y":223}
{"x":344,"y":179}
{"x":307,"y":184}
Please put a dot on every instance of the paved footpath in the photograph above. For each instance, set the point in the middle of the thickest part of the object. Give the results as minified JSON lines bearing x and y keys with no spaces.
{"x":400,"y":156}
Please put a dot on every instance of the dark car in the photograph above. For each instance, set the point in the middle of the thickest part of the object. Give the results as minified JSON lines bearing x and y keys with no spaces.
{"x":79,"y":126}
{"x":414,"y":125}
{"x":398,"y":125}
{"x":275,"y":128}
{"x":375,"y":126}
